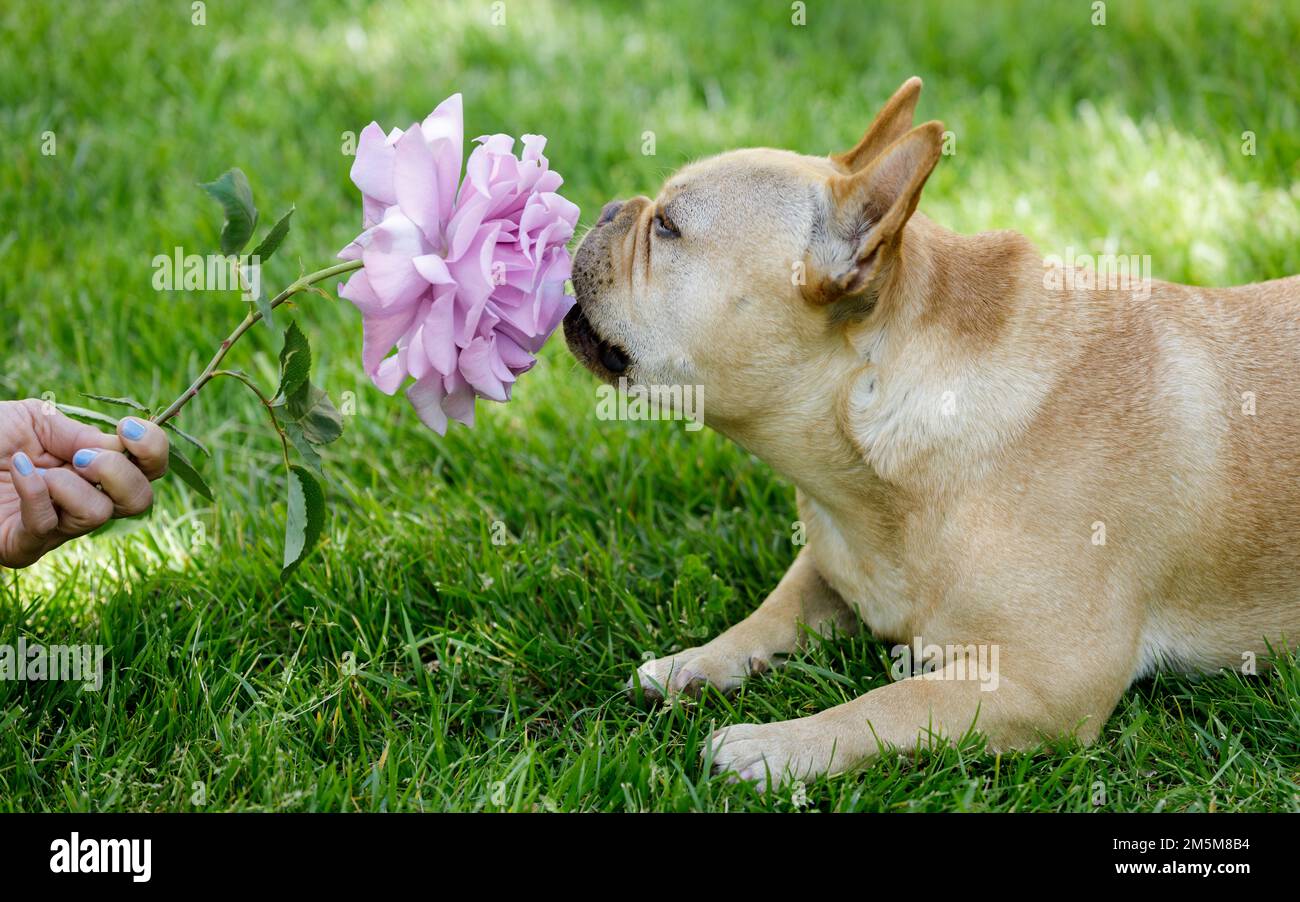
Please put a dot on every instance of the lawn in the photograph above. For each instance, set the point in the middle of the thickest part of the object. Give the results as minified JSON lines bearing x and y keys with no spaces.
{"x":414,"y":663}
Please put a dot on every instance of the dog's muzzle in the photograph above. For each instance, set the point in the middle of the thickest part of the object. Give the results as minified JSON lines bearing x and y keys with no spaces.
{"x":591,"y":270}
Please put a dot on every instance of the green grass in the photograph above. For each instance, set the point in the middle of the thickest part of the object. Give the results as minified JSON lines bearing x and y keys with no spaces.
{"x":414,"y":664}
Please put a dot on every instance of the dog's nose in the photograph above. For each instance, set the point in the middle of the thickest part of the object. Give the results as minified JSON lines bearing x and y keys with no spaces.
{"x":609,"y":211}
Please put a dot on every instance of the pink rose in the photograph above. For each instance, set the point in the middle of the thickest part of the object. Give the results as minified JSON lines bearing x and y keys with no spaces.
{"x":465,"y":279}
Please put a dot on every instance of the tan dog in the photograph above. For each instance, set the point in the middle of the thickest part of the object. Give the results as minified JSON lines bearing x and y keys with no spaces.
{"x":1075,"y":486}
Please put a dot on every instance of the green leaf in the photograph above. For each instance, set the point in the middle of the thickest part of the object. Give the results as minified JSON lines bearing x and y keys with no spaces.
{"x":123,"y":402}
{"x":273,"y":238}
{"x":171,"y":424}
{"x":260,"y":300}
{"x":305,"y":448}
{"x":306,"y":518}
{"x":179,"y":464}
{"x":301,"y":403}
{"x":295,"y":362}
{"x":264,"y":307}
{"x":316,"y":414}
{"x":263,"y":252}
{"x":235,"y":195}
{"x":83,"y":413}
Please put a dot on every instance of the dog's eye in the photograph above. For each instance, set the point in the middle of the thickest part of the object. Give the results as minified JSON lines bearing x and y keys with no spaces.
{"x":664,"y":227}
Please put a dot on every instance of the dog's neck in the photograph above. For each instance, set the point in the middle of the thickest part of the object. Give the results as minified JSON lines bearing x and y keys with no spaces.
{"x":931,"y":386}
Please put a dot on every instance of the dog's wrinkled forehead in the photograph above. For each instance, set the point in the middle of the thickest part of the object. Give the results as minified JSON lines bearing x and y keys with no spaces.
{"x":751,"y":189}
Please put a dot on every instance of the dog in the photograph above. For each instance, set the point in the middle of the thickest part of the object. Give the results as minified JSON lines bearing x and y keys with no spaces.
{"x":1094,"y":483}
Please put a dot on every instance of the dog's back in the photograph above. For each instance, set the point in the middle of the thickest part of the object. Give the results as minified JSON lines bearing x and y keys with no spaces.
{"x":1239,"y":351}
{"x":1182,"y":413}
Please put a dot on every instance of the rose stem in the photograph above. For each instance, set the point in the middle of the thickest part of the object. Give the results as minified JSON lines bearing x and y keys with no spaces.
{"x":253,"y":316}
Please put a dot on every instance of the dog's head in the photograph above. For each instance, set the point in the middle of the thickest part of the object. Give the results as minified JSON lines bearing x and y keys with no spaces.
{"x":741,"y":273}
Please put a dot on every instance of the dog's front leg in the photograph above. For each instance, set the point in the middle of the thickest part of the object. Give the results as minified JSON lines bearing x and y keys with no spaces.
{"x":801,"y":601}
{"x":943,"y":704}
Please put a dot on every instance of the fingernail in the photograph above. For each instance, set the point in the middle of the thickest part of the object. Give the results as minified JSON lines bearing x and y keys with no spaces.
{"x":23,"y":464}
{"x":84,"y":457}
{"x":132,"y":428}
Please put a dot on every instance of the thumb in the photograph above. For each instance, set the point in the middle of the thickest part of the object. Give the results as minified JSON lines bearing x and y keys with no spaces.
{"x":34,"y":504}
{"x":63,"y":437}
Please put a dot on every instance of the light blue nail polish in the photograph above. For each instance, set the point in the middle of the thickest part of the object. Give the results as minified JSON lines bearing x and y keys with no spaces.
{"x":132,"y":429}
{"x":84,"y":457}
{"x":23,"y":464}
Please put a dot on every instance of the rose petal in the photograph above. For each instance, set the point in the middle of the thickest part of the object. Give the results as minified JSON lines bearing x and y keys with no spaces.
{"x":440,"y":335}
{"x":426,"y":397}
{"x":477,"y":368}
{"x":473,"y":275}
{"x":444,"y":131}
{"x":459,"y":403}
{"x":390,"y":375}
{"x":434,"y":269}
{"x":372,"y":170}
{"x":415,"y":183}
{"x":382,"y":326}
{"x":394,"y":243}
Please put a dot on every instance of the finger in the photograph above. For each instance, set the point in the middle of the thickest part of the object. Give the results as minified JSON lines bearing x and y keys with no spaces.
{"x":147,"y":443}
{"x":39,"y":517}
{"x":62,"y":436}
{"x":120,"y":479}
{"x":81,"y":506}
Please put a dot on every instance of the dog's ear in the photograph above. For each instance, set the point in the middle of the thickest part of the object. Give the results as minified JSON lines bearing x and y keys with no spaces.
{"x":891,"y":123}
{"x":868,"y":210}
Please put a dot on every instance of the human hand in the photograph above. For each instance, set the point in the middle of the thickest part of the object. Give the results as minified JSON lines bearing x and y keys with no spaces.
{"x":60,"y":479}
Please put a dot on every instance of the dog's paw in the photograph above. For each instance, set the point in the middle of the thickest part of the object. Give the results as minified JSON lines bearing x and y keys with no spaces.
{"x":785,"y":751}
{"x":687,"y":673}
